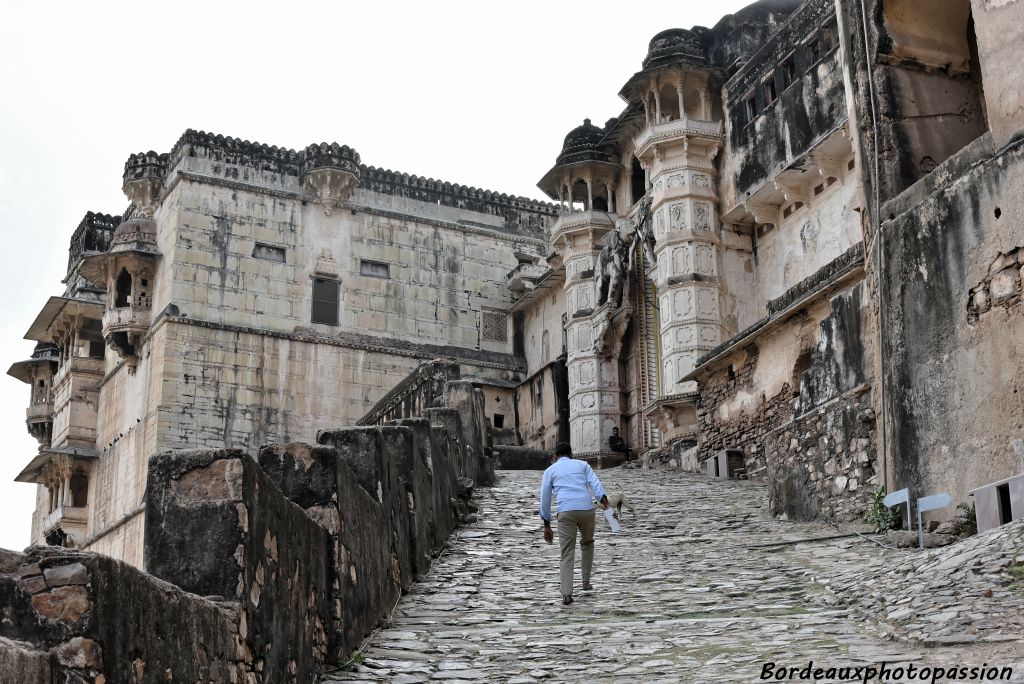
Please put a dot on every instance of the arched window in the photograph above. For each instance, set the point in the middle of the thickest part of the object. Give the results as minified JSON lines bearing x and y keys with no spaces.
{"x":122,"y":289}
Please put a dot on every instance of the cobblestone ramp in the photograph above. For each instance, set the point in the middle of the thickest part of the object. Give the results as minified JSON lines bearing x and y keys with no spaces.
{"x":686,"y":593}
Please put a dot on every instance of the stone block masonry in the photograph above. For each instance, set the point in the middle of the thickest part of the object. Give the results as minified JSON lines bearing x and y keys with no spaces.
{"x":85,"y":618}
{"x":822,"y":463}
{"x":259,"y":572}
{"x":217,"y":525}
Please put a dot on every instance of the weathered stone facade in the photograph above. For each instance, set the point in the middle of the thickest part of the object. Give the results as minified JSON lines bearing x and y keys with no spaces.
{"x":796,"y":223}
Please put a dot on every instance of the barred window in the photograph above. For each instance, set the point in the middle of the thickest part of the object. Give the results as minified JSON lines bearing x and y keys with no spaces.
{"x":325,"y":301}
{"x":374,"y":269}
{"x":494,"y":326}
{"x":268,"y":252}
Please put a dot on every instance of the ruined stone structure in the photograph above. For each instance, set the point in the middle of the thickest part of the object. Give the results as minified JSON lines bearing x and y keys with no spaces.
{"x":800,"y":241}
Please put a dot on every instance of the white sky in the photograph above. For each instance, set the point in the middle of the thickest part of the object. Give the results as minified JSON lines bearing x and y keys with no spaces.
{"x":480,"y":93}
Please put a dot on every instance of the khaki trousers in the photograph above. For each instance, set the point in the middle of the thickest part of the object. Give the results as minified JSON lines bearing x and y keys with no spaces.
{"x":568,"y":523}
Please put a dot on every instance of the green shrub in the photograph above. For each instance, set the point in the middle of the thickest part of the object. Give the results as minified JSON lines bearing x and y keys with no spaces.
{"x":881,"y":516}
{"x":966,"y":520}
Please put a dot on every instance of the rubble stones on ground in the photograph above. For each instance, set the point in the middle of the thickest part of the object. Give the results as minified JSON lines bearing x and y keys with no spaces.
{"x":966,"y":592}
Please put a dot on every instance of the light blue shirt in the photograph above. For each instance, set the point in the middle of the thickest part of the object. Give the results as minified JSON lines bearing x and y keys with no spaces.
{"x":569,"y":479}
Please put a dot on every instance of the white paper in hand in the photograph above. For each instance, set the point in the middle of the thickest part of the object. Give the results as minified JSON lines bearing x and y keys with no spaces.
{"x":609,"y":515}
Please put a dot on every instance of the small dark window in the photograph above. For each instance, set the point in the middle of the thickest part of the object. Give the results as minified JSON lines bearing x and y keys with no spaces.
{"x":325,"y":301}
{"x":268,"y":252}
{"x":813,"y":51}
{"x":830,"y":36}
{"x":122,"y":288}
{"x":79,"y":490}
{"x":750,"y":107}
{"x":499,"y":420}
{"x":770,"y":93}
{"x":96,"y":349}
{"x":374,"y":269}
{"x":792,"y":209}
{"x":637,"y":182}
{"x":787,"y":70}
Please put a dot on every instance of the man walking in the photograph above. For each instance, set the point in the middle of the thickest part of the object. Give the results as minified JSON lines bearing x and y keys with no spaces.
{"x":574,"y":485}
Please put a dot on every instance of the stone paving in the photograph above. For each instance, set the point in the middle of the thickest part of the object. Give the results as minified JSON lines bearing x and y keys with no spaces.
{"x":689,"y":591}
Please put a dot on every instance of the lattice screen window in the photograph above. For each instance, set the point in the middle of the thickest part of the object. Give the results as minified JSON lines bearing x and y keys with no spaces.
{"x":495,"y":327}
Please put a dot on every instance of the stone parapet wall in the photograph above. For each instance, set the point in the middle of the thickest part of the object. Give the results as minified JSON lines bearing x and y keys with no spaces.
{"x":525,"y":215}
{"x":217,"y":525}
{"x":522,"y":458}
{"x":417,"y":392}
{"x":258,"y":572}
{"x":85,"y":618}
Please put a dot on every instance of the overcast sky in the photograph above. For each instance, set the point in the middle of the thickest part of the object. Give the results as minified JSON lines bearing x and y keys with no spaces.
{"x":480,"y":93}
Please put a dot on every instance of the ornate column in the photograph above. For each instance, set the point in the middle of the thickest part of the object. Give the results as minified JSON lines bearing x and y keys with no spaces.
{"x":684,"y":203}
{"x":594,"y":385}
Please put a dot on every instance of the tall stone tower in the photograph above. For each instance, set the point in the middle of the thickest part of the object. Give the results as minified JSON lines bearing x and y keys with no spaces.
{"x":677,"y":148}
{"x":584,"y":179}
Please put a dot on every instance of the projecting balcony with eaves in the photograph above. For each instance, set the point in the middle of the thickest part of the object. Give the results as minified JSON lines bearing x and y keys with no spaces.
{"x":593,"y":224}
{"x":72,"y":520}
{"x":677,"y":129}
{"x":124,"y":327}
{"x":525,"y":276}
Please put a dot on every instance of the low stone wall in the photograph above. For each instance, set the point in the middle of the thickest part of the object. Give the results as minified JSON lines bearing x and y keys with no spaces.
{"x":387,"y":497}
{"x":680,"y":454}
{"x":258,"y":573}
{"x":85,"y":618}
{"x":366,"y":581}
{"x":217,"y":525}
{"x":822,"y":463}
{"x":521,"y":458}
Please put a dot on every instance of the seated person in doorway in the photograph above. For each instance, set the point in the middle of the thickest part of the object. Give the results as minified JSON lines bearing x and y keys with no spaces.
{"x":616,"y":443}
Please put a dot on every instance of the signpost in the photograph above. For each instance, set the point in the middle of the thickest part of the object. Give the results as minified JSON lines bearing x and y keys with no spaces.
{"x":901,"y":496}
{"x":929,"y":503}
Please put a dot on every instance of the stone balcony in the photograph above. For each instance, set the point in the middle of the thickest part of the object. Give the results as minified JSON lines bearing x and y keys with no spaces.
{"x":39,"y":412}
{"x":39,"y":421}
{"x":73,"y":520}
{"x":525,"y":276}
{"x":124,"y":328}
{"x":592,"y":223}
{"x":77,"y":366}
{"x":710,"y":131}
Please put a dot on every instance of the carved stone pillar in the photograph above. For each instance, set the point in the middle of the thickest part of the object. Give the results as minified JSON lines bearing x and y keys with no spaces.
{"x":594,"y":387}
{"x":679,"y":157}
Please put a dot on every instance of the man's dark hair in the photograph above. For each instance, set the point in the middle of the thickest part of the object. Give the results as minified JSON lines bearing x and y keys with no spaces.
{"x":563,"y":449}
